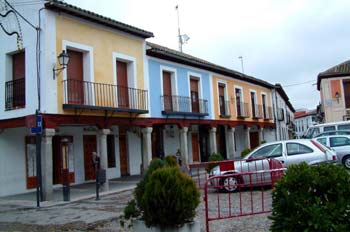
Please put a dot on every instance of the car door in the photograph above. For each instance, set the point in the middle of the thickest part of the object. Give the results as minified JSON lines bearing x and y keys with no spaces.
{"x":258,"y":160}
{"x":340,"y":144}
{"x":298,"y":153}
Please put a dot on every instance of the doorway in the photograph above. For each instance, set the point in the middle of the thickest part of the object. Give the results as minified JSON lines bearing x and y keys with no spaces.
{"x":90,"y":146}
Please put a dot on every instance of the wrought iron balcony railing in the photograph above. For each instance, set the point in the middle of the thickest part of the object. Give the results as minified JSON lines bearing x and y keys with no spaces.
{"x":180,"y":105}
{"x":225,"y":109}
{"x":267,"y":112}
{"x":100,"y":96}
{"x":257,"y":111}
{"x":242,"y":110}
{"x":15,"y":94}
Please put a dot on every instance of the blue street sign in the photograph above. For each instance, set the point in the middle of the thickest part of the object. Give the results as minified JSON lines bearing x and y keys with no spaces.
{"x":39,"y":126}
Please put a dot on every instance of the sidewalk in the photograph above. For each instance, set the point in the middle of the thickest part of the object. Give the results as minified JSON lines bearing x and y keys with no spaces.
{"x":77,"y":193}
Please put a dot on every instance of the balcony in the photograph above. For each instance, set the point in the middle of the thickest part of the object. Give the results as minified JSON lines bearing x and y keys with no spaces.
{"x":99,"y":96}
{"x":267,"y":113}
{"x":225,"y":109}
{"x":180,"y":105}
{"x":257,"y":111}
{"x":242,"y":110}
{"x":15,"y":94}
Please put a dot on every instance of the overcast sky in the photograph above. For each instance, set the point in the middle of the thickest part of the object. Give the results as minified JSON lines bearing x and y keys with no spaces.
{"x":287,"y":42}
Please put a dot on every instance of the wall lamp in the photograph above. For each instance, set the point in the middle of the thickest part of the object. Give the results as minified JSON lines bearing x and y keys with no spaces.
{"x":63,"y":60}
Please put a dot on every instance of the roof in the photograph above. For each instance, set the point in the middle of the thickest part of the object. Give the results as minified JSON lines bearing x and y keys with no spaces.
{"x":339,"y":70}
{"x":285,"y":97}
{"x":301,"y":114}
{"x":161,"y":52}
{"x":61,"y":6}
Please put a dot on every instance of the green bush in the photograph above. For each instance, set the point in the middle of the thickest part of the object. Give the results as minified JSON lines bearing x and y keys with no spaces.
{"x":170,"y":198}
{"x":262,"y":142}
{"x":312,"y":198}
{"x":140,"y":187}
{"x":245,"y":152}
{"x":214,"y":157}
{"x":131,"y":211}
{"x":171,"y":161}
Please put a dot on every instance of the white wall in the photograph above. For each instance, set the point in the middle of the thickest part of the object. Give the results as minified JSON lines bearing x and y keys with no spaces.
{"x":134,"y":153}
{"x":171,"y":140}
{"x":12,"y":161}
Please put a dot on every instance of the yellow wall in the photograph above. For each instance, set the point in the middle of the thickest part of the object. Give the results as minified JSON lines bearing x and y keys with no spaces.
{"x":246,"y":86}
{"x":104,"y":43}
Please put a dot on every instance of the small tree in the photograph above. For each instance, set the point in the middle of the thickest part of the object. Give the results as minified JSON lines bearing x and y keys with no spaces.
{"x":214,"y":157}
{"x":245,"y":152}
{"x":312,"y":198}
{"x":170,"y":198}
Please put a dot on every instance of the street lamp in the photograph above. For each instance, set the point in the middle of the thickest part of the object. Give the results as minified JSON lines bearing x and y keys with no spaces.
{"x":63,"y":60}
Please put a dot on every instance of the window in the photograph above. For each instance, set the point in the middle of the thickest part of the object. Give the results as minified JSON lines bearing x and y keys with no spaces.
{"x":265,"y":112}
{"x":194,"y":94}
{"x":222,"y":102}
{"x":239,"y":104}
{"x":111,"y":151}
{"x":253,"y":103}
{"x":274,"y":150}
{"x":344,"y":127}
{"x":323,"y":141}
{"x":328,"y":128}
{"x":339,"y":141}
{"x":297,"y":148}
{"x":167,"y":91}
{"x":15,"y":87}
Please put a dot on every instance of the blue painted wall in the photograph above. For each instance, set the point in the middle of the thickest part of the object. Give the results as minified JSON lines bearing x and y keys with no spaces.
{"x":183,"y":89}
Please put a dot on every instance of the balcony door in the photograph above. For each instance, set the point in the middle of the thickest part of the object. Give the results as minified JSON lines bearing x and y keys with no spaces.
{"x":239,"y":106}
{"x":346,"y":86}
{"x":75,"y":77}
{"x":222,"y":99}
{"x":18,"y":77}
{"x":194,"y":95}
{"x":253,"y":102}
{"x":167,"y":93}
{"x":122,"y":82}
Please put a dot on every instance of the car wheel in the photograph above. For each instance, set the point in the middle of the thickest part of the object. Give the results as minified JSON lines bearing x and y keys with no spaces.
{"x":230,"y":184}
{"x":346,"y":161}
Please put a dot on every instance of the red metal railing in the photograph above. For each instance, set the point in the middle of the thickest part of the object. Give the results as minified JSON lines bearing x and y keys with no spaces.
{"x":244,"y":182}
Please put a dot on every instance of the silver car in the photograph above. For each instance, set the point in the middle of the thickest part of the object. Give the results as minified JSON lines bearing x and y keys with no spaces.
{"x":341,"y":145}
{"x":264,"y":158}
{"x":294,"y":152}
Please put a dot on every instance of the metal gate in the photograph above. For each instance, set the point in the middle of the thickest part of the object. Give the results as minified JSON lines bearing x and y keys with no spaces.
{"x":236,"y":188}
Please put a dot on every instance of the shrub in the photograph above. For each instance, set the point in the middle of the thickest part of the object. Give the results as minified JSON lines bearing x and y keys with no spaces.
{"x":312,"y":198}
{"x":140,"y":187}
{"x":262,"y":142}
{"x":245,"y":152}
{"x":171,"y":161}
{"x":131,"y":211}
{"x":214,"y":157}
{"x":170,"y":198}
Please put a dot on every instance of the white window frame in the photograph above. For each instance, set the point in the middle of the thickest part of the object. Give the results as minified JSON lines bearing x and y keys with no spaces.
{"x":266,"y":104}
{"x":255,"y":100}
{"x":218,"y":94}
{"x":242,"y":97}
{"x":173,"y":79}
{"x":88,"y":67}
{"x":198,"y":77}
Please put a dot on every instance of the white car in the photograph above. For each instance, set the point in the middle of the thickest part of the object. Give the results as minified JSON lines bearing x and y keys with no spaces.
{"x":294,"y":152}
{"x":341,"y":145}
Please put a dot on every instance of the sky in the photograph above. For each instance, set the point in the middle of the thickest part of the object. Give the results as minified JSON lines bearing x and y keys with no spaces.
{"x":286,"y":42}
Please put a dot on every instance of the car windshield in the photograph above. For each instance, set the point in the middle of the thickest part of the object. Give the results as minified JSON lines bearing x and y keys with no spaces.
{"x":273,"y":150}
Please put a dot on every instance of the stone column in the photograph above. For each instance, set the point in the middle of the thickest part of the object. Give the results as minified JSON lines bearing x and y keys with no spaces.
{"x":47,"y":164}
{"x":231,"y":143}
{"x":147,"y":147}
{"x":184,"y":145}
{"x":248,"y":137}
{"x":103,"y":155}
{"x":212,"y":141}
{"x":261,"y":134}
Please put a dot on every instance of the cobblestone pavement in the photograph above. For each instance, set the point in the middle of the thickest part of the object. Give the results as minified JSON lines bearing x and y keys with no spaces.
{"x":103,"y":215}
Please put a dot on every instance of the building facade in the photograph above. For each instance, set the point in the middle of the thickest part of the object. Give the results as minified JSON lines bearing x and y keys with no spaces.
{"x":334,"y":87}
{"x":303,"y":120}
{"x":284,"y":114}
{"x":120,"y":96}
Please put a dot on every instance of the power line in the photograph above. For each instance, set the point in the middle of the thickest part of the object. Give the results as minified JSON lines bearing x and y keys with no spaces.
{"x":296,"y":84}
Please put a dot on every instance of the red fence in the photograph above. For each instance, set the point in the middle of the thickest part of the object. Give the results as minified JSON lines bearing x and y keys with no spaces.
{"x":246,"y":183}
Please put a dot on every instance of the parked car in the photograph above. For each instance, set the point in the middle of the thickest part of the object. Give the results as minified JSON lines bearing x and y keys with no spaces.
{"x":287,"y":152}
{"x":313,"y":131}
{"x":337,"y":132}
{"x":341,"y":145}
{"x":250,"y":172}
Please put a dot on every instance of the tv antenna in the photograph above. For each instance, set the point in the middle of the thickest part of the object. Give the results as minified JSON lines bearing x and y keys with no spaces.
{"x":183,"y":38}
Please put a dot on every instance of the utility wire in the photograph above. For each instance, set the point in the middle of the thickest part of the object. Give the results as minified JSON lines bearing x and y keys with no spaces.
{"x":296,"y":84}
{"x":20,"y":15}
